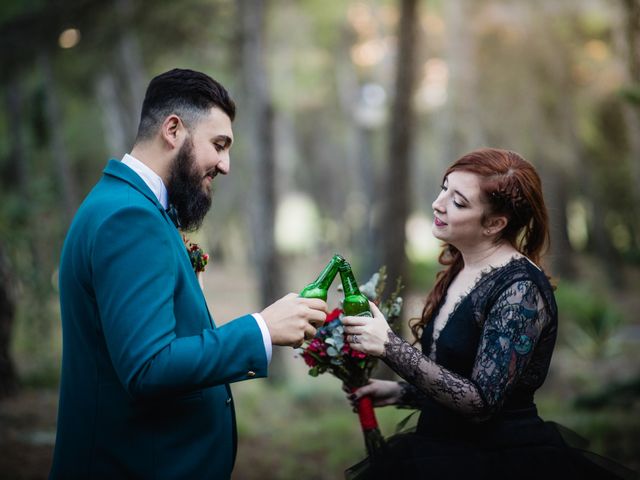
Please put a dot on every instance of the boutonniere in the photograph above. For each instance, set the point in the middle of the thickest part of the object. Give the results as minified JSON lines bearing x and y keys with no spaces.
{"x":198,"y":257}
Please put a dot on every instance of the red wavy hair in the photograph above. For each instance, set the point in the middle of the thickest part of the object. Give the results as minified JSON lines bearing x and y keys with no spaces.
{"x":511,"y":187}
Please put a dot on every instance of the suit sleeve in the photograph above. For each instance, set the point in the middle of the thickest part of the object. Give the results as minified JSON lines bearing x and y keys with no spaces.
{"x":135,"y":267}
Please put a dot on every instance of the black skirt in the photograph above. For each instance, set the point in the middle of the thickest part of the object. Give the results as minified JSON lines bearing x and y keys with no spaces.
{"x":517,"y":445}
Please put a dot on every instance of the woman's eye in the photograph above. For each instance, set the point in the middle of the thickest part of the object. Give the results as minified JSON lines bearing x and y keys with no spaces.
{"x":443,"y":187}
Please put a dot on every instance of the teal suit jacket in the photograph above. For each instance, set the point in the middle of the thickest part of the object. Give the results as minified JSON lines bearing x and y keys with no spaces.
{"x":145,"y":372}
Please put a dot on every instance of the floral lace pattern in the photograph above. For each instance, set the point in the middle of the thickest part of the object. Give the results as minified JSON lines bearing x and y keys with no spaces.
{"x":410,"y":396}
{"x":514,"y":310}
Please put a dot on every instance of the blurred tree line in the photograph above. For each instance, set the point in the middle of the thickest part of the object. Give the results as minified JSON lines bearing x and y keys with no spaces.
{"x":350,"y":109}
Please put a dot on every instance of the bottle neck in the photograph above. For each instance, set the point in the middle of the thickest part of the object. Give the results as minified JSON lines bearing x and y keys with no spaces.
{"x":349,"y":283}
{"x":327,"y":275}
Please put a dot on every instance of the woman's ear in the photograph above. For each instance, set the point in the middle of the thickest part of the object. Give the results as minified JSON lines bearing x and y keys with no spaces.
{"x":495,"y":224}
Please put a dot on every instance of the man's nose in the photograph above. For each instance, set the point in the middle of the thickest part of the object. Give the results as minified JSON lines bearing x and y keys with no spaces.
{"x":224,"y":164}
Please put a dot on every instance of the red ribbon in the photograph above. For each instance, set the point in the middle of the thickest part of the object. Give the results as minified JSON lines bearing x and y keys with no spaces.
{"x":366,"y":413}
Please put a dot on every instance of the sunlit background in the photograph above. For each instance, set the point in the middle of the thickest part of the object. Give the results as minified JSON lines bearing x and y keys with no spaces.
{"x":348,"y":114}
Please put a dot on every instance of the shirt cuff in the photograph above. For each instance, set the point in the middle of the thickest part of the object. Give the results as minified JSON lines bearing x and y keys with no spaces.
{"x":266,"y":336}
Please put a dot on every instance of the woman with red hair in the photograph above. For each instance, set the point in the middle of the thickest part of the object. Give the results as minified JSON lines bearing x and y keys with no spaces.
{"x":487,"y":333}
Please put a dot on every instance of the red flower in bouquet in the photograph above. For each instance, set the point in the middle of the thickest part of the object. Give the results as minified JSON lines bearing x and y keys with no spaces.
{"x":347,"y":350}
{"x":314,"y":350}
{"x":332,"y":315}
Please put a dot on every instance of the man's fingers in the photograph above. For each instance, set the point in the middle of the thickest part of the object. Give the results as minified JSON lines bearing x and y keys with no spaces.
{"x":315,"y":304}
{"x":291,"y":295}
{"x":317,"y":320}
{"x":309,"y":332}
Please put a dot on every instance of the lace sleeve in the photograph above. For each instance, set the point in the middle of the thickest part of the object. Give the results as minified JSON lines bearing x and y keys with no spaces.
{"x":410,"y":396}
{"x":431,"y":379}
{"x":510,"y":332}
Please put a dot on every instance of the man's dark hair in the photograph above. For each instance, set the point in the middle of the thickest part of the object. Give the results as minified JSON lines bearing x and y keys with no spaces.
{"x":186,"y":93}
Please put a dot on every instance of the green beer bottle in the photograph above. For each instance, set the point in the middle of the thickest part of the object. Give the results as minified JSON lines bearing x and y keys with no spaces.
{"x":355,"y":303}
{"x":320,"y":286}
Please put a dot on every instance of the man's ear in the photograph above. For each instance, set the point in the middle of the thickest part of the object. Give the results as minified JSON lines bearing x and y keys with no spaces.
{"x":172,"y":131}
{"x":495,"y":224}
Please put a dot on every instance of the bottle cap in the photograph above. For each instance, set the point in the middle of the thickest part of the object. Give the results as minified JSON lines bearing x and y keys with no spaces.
{"x":344,"y":266}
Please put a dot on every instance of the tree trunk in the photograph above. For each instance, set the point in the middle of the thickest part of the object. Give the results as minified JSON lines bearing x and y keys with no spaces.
{"x":554,"y":167}
{"x":398,"y":195}
{"x":557,"y":196}
{"x":258,"y":115}
{"x":8,"y":379}
{"x":367,"y":238}
{"x":59,"y":151}
{"x":112,"y":115}
{"x":18,"y":171}
{"x":631,"y":13}
{"x":599,"y":240}
{"x":131,"y":68}
{"x":17,"y":176}
{"x":363,"y":172}
{"x":461,"y":115}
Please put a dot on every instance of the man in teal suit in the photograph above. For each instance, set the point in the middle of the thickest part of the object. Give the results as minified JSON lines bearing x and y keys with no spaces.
{"x":145,"y":372}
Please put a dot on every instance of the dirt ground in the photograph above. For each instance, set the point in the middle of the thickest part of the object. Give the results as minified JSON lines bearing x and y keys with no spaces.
{"x":27,"y":434}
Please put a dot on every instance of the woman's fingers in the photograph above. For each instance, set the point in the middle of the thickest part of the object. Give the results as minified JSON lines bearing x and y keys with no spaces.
{"x":354,"y":330}
{"x":375,"y":311}
{"x":363,"y":391}
{"x":354,"y":396}
{"x":353,"y":321}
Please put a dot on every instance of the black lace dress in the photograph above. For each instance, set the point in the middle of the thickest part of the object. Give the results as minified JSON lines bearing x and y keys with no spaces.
{"x":474,"y":386}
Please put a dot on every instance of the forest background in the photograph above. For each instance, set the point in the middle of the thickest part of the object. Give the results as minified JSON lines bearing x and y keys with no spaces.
{"x":348,"y":113}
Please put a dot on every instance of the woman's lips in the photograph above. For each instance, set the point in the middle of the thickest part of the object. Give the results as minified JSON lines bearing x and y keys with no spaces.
{"x":438,"y":222}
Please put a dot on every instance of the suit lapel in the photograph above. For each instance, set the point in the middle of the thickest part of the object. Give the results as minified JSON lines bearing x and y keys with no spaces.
{"x":119,"y":170}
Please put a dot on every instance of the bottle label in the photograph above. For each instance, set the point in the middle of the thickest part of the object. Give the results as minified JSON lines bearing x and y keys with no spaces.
{"x":364,"y":314}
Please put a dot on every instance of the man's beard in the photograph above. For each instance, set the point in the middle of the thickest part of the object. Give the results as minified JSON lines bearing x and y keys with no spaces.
{"x":186,"y":191}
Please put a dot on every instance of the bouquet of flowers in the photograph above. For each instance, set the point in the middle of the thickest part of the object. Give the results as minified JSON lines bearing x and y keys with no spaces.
{"x":329,"y":352}
{"x":198,"y":258}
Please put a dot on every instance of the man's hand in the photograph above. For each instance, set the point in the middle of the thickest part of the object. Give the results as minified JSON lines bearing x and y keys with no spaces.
{"x":292,"y":319}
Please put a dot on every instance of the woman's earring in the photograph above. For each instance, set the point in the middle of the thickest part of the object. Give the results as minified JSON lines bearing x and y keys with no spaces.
{"x":488,"y":232}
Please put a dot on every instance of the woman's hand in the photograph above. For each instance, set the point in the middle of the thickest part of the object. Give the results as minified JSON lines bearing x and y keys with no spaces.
{"x":382,"y":392}
{"x":367,"y":334}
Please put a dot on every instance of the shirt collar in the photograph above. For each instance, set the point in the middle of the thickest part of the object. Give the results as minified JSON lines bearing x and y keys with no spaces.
{"x":151,"y":178}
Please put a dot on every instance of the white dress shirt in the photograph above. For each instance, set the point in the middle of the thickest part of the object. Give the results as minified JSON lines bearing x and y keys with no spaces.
{"x":156,"y":185}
